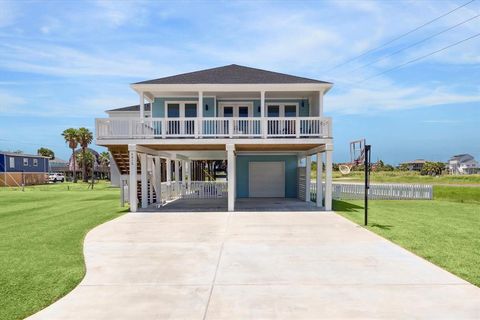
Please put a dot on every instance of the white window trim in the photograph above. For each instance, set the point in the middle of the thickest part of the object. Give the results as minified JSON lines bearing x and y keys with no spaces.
{"x":235,"y":105}
{"x":11,"y":162}
{"x":181,"y":106}
{"x":28,"y":162}
{"x":282,"y":108}
{"x":35,"y":162}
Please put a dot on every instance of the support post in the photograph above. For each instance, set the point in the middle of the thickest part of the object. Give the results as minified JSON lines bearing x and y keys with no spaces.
{"x":189,"y":175}
{"x":199,"y":131}
{"x":328,"y":178}
{"x":231,"y":176}
{"x":319,"y":180}
{"x":144,"y":179}
{"x":150,"y":168}
{"x":263,"y":121}
{"x":142,"y":106}
{"x":320,"y":103}
{"x":132,"y":188}
{"x":169,"y":177}
{"x":177,"y":177}
{"x":308,"y":174}
{"x":367,"y":179}
{"x":158,"y":178}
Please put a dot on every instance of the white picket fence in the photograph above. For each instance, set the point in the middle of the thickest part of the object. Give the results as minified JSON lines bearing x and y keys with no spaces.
{"x":351,"y":191}
{"x":194,"y":190}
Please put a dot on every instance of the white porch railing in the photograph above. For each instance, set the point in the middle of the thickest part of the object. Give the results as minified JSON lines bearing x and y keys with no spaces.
{"x":353,"y":191}
{"x":136,"y":128}
{"x":194,"y":190}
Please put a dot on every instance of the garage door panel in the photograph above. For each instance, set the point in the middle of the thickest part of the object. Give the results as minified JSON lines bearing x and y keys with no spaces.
{"x":266,"y":179}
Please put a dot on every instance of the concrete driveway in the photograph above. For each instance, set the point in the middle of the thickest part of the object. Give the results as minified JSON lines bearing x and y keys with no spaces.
{"x":274,"y":265}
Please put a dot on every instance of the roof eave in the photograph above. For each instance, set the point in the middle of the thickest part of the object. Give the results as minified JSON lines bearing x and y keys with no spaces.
{"x":146,"y":88}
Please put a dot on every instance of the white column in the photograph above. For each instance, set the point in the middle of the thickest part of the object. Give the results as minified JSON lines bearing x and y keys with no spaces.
{"x":320,"y":103}
{"x":263,"y":121}
{"x":189,"y":173}
{"x":231,"y":176}
{"x":144,"y":179}
{"x":199,"y":127}
{"x":319,"y":180}
{"x":328,"y":179}
{"x":158,"y":178}
{"x":142,"y":105}
{"x":308,"y":171}
{"x":184,"y":171}
{"x":150,"y":168}
{"x":177,"y":177}
{"x":169,"y":177}
{"x":132,"y":184}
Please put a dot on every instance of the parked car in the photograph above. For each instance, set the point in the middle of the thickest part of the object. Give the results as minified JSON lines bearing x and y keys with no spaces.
{"x":54,"y":177}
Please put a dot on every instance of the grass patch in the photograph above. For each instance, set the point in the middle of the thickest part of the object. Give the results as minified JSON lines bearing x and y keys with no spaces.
{"x":457,"y":194}
{"x":42,"y":241}
{"x":409,"y":177}
{"x":444,"y":232}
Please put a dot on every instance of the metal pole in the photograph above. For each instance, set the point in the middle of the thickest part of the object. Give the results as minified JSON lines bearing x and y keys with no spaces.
{"x":367,"y":180}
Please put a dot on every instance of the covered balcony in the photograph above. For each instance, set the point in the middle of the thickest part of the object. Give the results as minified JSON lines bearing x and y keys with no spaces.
{"x":218,"y":127}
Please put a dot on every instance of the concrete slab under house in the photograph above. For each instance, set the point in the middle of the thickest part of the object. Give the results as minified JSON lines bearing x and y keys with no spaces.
{"x":229,"y":138}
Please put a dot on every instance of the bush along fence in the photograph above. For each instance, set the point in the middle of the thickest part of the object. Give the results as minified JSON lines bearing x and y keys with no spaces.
{"x":350,"y":191}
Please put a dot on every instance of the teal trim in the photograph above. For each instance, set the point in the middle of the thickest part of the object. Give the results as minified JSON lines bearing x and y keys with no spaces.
{"x":242,"y":163}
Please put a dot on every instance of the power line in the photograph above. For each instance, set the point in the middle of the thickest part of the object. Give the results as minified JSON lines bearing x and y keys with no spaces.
{"x":420,"y":58}
{"x":399,"y":37}
{"x":414,"y":44}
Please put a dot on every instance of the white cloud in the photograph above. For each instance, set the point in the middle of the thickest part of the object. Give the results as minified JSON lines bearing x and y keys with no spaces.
{"x":379,"y":97}
{"x":10,"y":102}
{"x":8,"y":13}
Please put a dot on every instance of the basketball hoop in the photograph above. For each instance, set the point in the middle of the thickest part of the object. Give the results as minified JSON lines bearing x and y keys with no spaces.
{"x":357,"y":156}
{"x":345,"y":168}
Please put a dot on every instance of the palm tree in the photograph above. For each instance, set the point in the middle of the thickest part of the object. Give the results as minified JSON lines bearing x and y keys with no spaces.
{"x":71,"y":137}
{"x":85,"y":137}
{"x":104,"y":159}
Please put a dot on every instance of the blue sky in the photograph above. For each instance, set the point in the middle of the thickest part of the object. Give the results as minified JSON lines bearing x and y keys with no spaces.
{"x":63,"y":63}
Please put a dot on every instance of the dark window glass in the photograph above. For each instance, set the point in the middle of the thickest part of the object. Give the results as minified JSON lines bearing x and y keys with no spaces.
{"x":291,"y":111}
{"x":228,"y":112}
{"x":274,"y":111}
{"x":190,"y":110}
{"x":173,"y":110}
{"x":243,"y":112}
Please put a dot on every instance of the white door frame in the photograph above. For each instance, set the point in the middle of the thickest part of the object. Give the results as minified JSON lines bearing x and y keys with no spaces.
{"x":235,"y":105}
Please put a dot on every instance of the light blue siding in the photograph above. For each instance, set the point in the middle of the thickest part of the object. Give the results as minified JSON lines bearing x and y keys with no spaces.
{"x":290,"y":172}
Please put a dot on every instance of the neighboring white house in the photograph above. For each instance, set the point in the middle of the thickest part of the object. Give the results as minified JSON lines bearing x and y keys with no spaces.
{"x":261,"y":127}
{"x":463,"y":164}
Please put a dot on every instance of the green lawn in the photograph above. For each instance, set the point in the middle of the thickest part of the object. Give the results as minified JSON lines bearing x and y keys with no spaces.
{"x":444,"y":231}
{"x":41,"y":243}
{"x":409,"y":177}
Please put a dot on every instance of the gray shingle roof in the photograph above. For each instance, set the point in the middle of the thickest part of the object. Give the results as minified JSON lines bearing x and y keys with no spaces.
{"x":231,"y":74}
{"x":132,"y":108}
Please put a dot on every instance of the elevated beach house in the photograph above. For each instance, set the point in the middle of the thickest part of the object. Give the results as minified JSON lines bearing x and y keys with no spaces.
{"x":261,"y":128}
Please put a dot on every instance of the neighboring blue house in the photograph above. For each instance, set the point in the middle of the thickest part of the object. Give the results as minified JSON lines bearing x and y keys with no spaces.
{"x":17,"y":169}
{"x":264,"y":126}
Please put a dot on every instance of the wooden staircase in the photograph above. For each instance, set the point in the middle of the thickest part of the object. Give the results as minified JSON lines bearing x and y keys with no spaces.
{"x":121,"y":158}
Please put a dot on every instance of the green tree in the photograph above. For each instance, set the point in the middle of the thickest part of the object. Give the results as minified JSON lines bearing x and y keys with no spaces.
{"x":432,"y":168}
{"x":85,"y":137}
{"x":45,"y":152}
{"x":71,"y":138}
